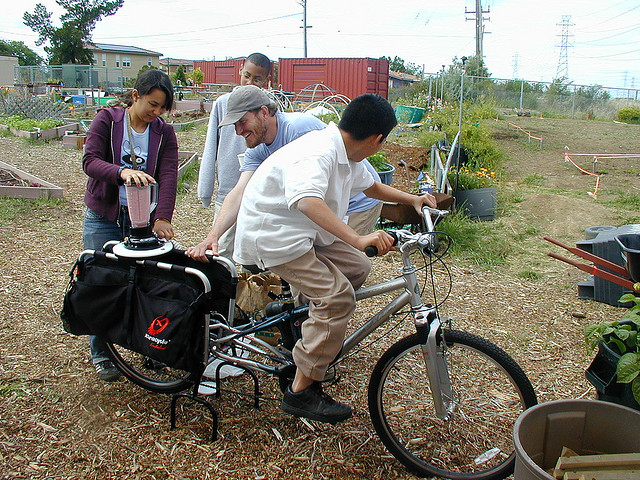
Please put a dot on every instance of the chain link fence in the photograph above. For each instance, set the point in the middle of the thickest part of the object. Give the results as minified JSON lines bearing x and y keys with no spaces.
{"x":556,"y":98}
{"x":70,"y":76}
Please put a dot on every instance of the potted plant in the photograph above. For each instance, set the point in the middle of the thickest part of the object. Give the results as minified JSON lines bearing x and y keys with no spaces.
{"x":379,"y":162}
{"x":474,"y":191}
{"x":615,"y":371}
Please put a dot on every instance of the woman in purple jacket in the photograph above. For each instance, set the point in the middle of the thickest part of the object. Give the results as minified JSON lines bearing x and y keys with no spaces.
{"x":116,"y":136}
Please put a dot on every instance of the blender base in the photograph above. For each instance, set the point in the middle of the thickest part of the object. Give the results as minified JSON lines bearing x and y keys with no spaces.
{"x":122,"y":249}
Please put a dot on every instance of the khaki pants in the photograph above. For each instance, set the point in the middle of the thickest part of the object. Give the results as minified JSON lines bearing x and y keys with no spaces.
{"x":365,"y":222}
{"x":327,"y":278}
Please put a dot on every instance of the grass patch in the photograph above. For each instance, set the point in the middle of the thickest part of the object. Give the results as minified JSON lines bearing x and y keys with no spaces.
{"x":188,"y":178}
{"x":626,"y":200}
{"x":36,"y":141}
{"x":18,"y":387}
{"x":535,"y":179}
{"x":13,"y":208}
{"x":480,"y":243}
{"x":528,"y":274}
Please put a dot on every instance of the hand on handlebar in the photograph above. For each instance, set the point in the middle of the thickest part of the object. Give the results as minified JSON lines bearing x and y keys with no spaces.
{"x":199,"y":252}
{"x":376,"y":243}
{"x":422,"y":200}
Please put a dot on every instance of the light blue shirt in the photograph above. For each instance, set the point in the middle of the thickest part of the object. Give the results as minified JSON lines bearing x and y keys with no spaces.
{"x":290,"y":127}
{"x":360,"y":202}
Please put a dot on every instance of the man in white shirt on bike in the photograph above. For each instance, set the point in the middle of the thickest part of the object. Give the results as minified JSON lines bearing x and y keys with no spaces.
{"x":291,"y":222}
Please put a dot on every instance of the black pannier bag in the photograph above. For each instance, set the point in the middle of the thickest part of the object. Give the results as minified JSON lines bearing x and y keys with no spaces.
{"x":136,"y":304}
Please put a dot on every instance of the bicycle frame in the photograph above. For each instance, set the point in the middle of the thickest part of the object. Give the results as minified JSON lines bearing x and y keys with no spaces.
{"x":425,"y":319}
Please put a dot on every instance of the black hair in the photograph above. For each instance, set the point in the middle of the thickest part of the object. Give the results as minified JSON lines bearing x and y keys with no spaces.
{"x":148,"y":81}
{"x":367,"y":115}
{"x":260,"y":60}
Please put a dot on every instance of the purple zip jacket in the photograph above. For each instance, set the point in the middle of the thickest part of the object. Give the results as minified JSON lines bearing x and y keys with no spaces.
{"x":104,"y":142}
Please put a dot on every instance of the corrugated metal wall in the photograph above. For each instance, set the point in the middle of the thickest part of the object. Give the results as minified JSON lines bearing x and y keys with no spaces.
{"x":347,"y":76}
{"x":220,"y":71}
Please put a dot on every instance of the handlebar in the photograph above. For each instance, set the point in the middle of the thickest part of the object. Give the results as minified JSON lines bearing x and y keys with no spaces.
{"x":427,"y":240}
{"x":372,"y":250}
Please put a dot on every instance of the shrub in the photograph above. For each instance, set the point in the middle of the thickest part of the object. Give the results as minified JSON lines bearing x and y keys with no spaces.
{"x":379,"y":162}
{"x":629,"y":115}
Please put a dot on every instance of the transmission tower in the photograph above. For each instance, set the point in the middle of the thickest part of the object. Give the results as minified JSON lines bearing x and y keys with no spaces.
{"x":515,"y":66}
{"x":563,"y":61}
{"x":479,"y":25}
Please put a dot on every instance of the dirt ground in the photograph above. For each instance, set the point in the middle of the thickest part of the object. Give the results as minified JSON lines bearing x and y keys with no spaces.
{"x":57,"y":421}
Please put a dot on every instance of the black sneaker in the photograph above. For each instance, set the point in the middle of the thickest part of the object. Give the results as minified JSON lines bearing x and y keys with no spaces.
{"x":106,"y":371}
{"x":314,"y":404}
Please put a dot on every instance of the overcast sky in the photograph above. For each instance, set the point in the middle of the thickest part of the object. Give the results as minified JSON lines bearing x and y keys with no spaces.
{"x":522,"y":38}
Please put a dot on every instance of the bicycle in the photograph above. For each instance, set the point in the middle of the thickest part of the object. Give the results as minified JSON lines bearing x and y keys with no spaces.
{"x":442,"y":401}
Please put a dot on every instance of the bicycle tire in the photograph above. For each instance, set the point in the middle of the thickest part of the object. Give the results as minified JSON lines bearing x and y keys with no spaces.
{"x":492,"y":391}
{"x":156,"y":378}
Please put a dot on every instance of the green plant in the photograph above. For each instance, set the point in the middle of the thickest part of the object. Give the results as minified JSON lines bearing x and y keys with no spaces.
{"x":622,"y":337}
{"x":534,"y":179}
{"x":629,"y":115}
{"x":379,"y":162}
{"x":476,"y":242}
{"x":28,"y":124}
{"x":466,"y":179}
{"x":329,"y":117}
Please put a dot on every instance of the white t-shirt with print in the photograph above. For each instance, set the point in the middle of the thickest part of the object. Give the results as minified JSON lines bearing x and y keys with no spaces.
{"x":140,"y":148}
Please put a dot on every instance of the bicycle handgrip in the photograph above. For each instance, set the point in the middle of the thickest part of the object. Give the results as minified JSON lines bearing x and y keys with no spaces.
{"x":372,"y":250}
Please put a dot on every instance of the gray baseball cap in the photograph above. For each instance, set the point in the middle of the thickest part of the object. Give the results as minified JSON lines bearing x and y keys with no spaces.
{"x":242,"y":100}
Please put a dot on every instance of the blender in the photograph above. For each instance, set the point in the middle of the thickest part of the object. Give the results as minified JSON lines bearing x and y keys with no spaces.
{"x":142,"y":242}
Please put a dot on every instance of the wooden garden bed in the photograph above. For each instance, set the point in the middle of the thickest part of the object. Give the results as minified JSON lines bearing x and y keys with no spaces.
{"x":184,"y":160}
{"x":44,"y":134}
{"x":18,"y":184}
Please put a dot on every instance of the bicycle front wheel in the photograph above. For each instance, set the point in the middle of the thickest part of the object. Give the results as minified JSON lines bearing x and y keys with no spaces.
{"x":476,"y":441}
{"x":148,"y":373}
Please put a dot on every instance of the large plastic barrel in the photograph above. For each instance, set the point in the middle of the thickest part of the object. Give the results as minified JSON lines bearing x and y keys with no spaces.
{"x":587,"y":427}
{"x":406,"y":114}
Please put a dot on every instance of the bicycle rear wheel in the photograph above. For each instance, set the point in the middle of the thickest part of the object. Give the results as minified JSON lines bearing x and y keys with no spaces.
{"x":147,"y":373}
{"x":476,"y":442}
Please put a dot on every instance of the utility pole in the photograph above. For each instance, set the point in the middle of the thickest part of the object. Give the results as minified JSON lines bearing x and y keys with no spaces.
{"x":304,"y":24}
{"x":479,"y":25}
{"x":563,"y":60}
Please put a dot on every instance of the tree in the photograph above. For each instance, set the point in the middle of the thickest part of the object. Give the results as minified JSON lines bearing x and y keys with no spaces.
{"x":398,"y":65}
{"x":474,"y":67}
{"x":559,"y":86}
{"x":179,"y":76}
{"x":67,"y":42}
{"x":25,"y":55}
{"x":130,"y":82}
{"x":196,"y":76}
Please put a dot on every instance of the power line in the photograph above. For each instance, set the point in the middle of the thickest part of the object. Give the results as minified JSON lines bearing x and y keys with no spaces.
{"x":204,"y":29}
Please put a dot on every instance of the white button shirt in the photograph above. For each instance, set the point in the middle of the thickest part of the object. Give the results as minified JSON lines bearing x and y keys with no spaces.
{"x":270,"y":229}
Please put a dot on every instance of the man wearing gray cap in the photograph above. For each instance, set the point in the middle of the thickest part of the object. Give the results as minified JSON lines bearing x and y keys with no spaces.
{"x":219,"y":162}
{"x":265,"y":130}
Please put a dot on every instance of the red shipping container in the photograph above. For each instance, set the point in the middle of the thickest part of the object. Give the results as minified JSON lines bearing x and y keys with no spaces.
{"x":346,"y":76}
{"x":220,"y":71}
{"x":223,"y":71}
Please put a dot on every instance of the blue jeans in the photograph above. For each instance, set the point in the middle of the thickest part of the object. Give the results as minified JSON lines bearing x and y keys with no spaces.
{"x":96,"y":232}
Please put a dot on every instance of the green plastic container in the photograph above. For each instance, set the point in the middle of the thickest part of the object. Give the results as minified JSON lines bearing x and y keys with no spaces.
{"x":406,"y":114}
{"x":104,"y":100}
